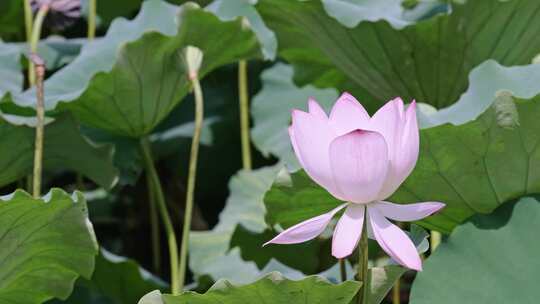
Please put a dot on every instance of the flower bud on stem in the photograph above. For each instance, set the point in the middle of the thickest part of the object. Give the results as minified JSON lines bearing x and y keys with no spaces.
{"x":193,"y":60}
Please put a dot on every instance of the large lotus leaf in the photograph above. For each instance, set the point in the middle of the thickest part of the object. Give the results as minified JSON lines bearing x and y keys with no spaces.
{"x":273,"y":288}
{"x":64,"y":148}
{"x":131,"y":79}
{"x":116,"y":280}
{"x":381,"y":281}
{"x":271,"y":110}
{"x":348,"y":12}
{"x":377,"y":62}
{"x":491,"y":259}
{"x":171,"y":139}
{"x":472,"y":168}
{"x":46,"y":244}
{"x":101,"y":54}
{"x":272,"y":105}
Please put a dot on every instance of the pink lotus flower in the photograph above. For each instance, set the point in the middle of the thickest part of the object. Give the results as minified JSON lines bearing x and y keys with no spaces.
{"x":360,"y":160}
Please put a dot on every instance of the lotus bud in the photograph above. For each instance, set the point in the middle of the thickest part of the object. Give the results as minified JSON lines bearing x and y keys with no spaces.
{"x":193,"y":57}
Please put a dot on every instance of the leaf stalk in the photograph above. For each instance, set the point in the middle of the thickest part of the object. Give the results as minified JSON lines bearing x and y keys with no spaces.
{"x":342,"y":270}
{"x":435,"y":239}
{"x":40,"y":125}
{"x":166,"y":219}
{"x":154,"y":225}
{"x":363,"y":259}
{"x":396,"y":296}
{"x":92,"y":8}
{"x":28,"y":20}
{"x":192,"y":174}
{"x":244,"y":114}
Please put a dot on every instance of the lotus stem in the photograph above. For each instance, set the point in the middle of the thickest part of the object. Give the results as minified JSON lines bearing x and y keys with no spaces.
{"x":92,"y":7}
{"x":166,"y":219}
{"x":28,"y":20}
{"x":244,"y":114}
{"x":28,"y":25}
{"x":363,"y":264}
{"x":40,"y":118}
{"x":154,"y":226}
{"x":342,"y":270}
{"x":396,"y":296}
{"x":34,"y":40}
{"x":435,"y":239}
{"x":199,"y":114}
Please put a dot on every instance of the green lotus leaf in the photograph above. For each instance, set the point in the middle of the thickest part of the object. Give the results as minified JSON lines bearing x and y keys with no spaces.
{"x":130,"y":80}
{"x":273,"y":287}
{"x":46,"y":244}
{"x":503,"y":244}
{"x":428,"y":60}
